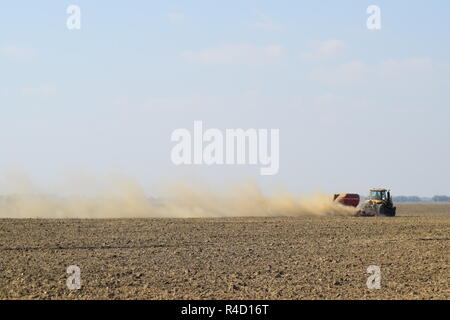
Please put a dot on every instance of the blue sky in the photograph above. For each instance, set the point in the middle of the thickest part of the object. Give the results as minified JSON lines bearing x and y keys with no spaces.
{"x":356,"y":108}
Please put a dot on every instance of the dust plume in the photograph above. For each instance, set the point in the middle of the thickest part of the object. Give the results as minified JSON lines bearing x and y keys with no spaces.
{"x":128,"y":200}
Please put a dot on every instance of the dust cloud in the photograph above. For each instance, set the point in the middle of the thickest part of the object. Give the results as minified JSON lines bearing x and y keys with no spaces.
{"x":127,"y":199}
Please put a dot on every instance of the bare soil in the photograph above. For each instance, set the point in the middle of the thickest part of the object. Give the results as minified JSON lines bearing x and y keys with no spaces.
{"x":229,"y":258}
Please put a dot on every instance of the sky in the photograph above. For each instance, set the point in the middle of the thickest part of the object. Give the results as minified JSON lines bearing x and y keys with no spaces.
{"x":356,"y":108}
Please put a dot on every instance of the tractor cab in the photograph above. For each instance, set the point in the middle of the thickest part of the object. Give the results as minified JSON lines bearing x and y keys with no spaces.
{"x":379,"y":195}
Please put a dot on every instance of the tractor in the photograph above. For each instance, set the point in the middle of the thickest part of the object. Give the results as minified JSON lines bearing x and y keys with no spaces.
{"x":379,"y":203}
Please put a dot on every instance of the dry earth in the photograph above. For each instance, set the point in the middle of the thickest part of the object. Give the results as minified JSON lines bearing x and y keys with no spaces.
{"x":230,"y":258}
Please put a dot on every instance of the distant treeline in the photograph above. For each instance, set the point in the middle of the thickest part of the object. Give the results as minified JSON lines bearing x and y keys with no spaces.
{"x":420,"y":199}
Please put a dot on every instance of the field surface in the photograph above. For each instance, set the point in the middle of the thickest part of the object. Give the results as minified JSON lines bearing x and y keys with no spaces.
{"x":230,"y":258}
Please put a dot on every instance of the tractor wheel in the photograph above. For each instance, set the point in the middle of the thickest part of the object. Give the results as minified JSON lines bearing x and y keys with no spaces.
{"x":390,"y":211}
{"x":381,"y":210}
